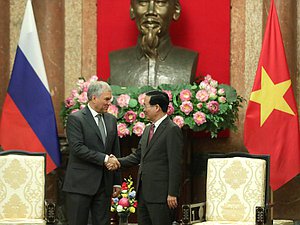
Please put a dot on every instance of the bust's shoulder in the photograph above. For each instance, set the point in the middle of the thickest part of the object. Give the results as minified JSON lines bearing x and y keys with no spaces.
{"x":184,"y":51}
{"x":122,"y":52}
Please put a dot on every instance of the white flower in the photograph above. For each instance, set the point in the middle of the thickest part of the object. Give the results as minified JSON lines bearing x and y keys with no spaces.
{"x":119,"y":208}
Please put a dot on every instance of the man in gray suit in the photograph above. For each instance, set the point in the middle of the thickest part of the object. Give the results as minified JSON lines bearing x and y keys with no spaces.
{"x":92,"y":137}
{"x":154,"y":60}
{"x":159,"y":154}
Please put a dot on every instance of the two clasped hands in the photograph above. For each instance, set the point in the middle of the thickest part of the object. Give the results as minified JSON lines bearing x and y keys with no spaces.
{"x":112,"y":163}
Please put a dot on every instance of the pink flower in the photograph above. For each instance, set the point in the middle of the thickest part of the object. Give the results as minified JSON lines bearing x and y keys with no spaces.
{"x":199,"y":118}
{"x":112,"y":109}
{"x":74,"y":110}
{"x":142,"y":115}
{"x":214,"y":83}
{"x":185,"y":95}
{"x":203,"y":85}
{"x":82,"y":98}
{"x":202,"y":95}
{"x":82,"y":106}
{"x":124,"y":202}
{"x":208,"y":78}
{"x":170,"y":109}
{"x":85,"y":86}
{"x":213,"y":107}
{"x":69,"y":102}
{"x":222,"y":99}
{"x":169,"y":93}
{"x":130,"y":116}
{"x":186,"y":107}
{"x":138,"y":128}
{"x":141,"y":98}
{"x":200,"y":105}
{"x":179,"y":121}
{"x":221,"y":91}
{"x":93,"y":78}
{"x":211,"y":90}
{"x":74,"y":93}
{"x":123,"y":100}
{"x":122,"y":130}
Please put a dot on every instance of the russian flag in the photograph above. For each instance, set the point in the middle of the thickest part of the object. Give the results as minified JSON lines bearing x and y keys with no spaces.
{"x":28,"y":120}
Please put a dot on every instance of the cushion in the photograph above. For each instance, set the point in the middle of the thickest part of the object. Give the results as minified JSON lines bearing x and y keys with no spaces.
{"x":235,"y":186}
{"x":22,"y":188}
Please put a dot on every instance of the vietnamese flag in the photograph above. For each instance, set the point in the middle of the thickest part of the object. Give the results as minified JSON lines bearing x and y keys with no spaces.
{"x":271,"y":123}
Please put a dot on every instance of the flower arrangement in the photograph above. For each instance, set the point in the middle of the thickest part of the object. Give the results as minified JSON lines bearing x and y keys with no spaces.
{"x":125,"y":203}
{"x":207,"y":106}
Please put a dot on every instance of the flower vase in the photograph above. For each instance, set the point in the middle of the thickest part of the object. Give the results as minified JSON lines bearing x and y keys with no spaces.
{"x":123,"y":218}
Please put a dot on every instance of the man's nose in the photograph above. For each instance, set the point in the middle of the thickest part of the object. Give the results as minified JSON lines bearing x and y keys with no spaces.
{"x":151,"y":7}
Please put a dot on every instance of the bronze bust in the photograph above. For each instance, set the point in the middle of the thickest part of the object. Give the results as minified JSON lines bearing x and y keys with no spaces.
{"x":154,"y":60}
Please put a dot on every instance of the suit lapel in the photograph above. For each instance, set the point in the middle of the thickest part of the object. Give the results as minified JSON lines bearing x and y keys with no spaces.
{"x":158,"y":134}
{"x":91,"y":121}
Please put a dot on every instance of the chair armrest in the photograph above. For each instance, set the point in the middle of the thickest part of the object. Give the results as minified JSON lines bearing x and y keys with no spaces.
{"x":50,"y":212}
{"x":192,"y":213}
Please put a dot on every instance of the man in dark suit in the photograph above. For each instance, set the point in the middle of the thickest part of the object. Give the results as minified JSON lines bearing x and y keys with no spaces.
{"x":92,"y":137}
{"x":154,"y":60}
{"x":159,"y":154}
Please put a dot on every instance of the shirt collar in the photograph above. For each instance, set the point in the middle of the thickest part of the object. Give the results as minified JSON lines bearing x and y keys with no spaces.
{"x":163,"y":49}
{"x":158,"y":122}
{"x":94,"y":113}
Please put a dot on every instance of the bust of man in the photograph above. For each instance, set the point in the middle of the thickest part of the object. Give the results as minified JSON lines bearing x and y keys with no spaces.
{"x":154,"y":60}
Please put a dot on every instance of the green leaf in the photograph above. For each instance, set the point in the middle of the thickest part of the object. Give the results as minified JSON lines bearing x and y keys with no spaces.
{"x":133,"y":103}
{"x":230,"y":92}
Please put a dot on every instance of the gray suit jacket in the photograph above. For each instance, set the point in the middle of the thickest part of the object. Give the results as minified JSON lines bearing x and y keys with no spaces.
{"x":86,"y":168}
{"x":160,"y":162}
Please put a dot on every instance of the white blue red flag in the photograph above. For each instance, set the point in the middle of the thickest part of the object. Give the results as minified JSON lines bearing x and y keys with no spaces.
{"x":28,"y":120}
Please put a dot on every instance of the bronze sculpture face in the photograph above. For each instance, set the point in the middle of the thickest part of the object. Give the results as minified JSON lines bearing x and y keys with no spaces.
{"x":153,"y":19}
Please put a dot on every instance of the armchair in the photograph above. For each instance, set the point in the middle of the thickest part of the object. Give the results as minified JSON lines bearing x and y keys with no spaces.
{"x":22,"y":188}
{"x":237,"y":192}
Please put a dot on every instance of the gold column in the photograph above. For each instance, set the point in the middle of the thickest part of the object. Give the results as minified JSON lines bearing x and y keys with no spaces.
{"x":89,"y":38}
{"x":73,"y":43}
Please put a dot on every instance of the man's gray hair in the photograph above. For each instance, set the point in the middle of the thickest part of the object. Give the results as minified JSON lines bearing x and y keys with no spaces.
{"x":97,"y":88}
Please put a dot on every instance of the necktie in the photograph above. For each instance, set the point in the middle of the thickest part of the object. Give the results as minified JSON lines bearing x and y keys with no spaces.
{"x":101,"y":128}
{"x":151,"y":132}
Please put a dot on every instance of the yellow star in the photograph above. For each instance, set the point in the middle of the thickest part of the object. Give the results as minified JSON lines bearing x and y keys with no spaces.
{"x":270,"y":97}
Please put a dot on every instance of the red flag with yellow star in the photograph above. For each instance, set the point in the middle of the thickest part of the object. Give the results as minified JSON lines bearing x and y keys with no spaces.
{"x":271,"y":123}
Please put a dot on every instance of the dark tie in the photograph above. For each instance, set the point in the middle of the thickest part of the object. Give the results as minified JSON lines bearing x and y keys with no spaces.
{"x":101,"y":127}
{"x":151,"y":132}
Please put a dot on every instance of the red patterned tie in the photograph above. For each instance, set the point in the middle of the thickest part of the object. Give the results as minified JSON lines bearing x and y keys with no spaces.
{"x":151,"y":132}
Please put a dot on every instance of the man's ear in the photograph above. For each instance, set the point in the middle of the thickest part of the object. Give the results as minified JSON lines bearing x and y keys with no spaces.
{"x":177,"y":12}
{"x":132,"y":15}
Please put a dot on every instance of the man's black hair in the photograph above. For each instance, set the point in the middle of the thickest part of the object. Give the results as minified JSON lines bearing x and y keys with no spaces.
{"x":160,"y":98}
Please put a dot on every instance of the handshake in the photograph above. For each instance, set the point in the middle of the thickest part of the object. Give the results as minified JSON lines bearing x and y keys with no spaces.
{"x":112,"y":163}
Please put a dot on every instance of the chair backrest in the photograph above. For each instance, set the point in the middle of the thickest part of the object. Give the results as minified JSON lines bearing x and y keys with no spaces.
{"x":22,"y":185}
{"x":236,"y":184}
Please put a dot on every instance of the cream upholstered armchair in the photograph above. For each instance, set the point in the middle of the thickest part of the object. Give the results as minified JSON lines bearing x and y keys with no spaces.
{"x":237,"y":192}
{"x":22,"y":188}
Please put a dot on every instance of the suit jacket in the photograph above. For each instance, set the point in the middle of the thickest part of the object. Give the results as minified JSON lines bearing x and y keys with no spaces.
{"x":174,"y":65}
{"x":86,"y":168}
{"x":160,"y":162}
